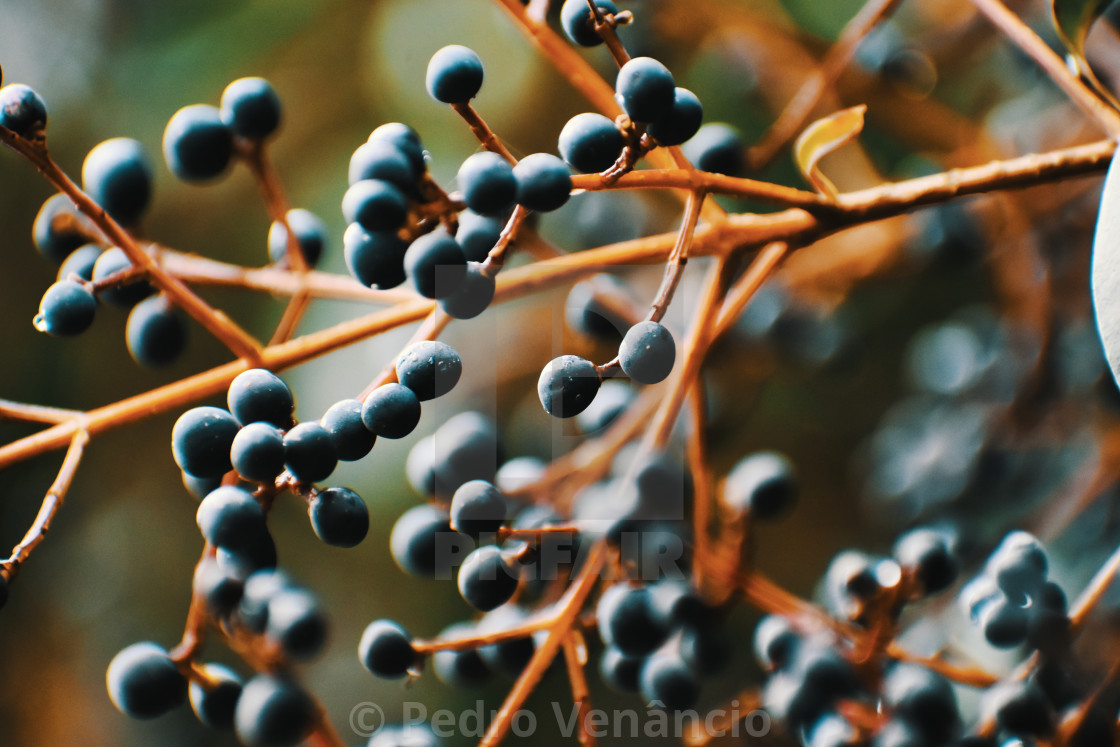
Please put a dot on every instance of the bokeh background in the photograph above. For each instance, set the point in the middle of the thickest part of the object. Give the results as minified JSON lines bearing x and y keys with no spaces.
{"x":830,"y":366}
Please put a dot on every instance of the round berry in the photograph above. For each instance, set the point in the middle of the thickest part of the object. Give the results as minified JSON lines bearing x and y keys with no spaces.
{"x":718,"y":148}
{"x":80,"y":262}
{"x":310,"y":232}
{"x":436,"y":265}
{"x":251,"y":108}
{"x":375,"y":204}
{"x":543,"y":182}
{"x":257,"y":452}
{"x":619,"y":671}
{"x":386,"y":649}
{"x":628,"y":620}
{"x":567,"y":385}
{"x":667,"y":678}
{"x":375,"y":258}
{"x":118,"y":176}
{"x":339,"y":517}
{"x":143,"y":682}
{"x":230,"y":517}
{"x":296,"y":622}
{"x":1019,"y":565}
{"x":464,"y":668}
{"x":220,"y":590}
{"x":381,"y":159}
{"x":1004,"y":623}
{"x":201,"y":440}
{"x":424,"y":544}
{"x":273,"y":711}
{"x":309,"y":452}
{"x":260,"y":395}
{"x":200,"y":487}
{"x":644,"y":89}
{"x":647,"y":352}
{"x":578,"y":21}
{"x":156,"y":332}
{"x":509,"y":657}
{"x":488,"y":184}
{"x":467,"y":447}
{"x":763,"y":483}
{"x":1020,"y":707}
{"x":215,"y":704}
{"x":22,"y":111}
{"x":260,"y":588}
{"x":680,"y":122}
{"x":406,"y":139}
{"x":927,"y":553}
{"x":112,"y":261}
{"x":66,"y":309}
{"x":391,"y":410}
{"x":478,"y":508}
{"x":595,"y":308}
{"x":474,"y":295}
{"x":429,"y":368}
{"x":454,"y":75}
{"x":197,"y":144}
{"x":924,"y":699}
{"x":259,"y":554}
{"x":477,"y":234}
{"x":59,"y":228}
{"x":343,"y":421}
{"x":488,"y":578}
{"x":590,"y":142}
{"x":775,"y":642}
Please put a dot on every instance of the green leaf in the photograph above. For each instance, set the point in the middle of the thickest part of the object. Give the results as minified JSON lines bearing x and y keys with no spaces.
{"x":823,"y":137}
{"x":1106,"y":268}
{"x":1073,"y":19}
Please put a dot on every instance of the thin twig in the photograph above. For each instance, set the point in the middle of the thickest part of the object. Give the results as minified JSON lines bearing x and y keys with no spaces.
{"x":678,"y":258}
{"x":483,"y":132}
{"x":35,"y":413}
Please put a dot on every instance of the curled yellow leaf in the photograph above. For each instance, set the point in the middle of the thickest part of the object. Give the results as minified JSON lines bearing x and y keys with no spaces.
{"x":823,"y":137}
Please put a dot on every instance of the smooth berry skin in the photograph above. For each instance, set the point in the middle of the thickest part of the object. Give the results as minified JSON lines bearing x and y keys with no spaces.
{"x":80,"y":262}
{"x":717,"y":148}
{"x":260,"y":395}
{"x":578,"y":21}
{"x":667,"y":678}
{"x":508,"y":657}
{"x":296,"y":622}
{"x":375,"y":258}
{"x":590,"y":143}
{"x":310,"y":232}
{"x":680,"y":122}
{"x":230,"y":517}
{"x":57,"y":230}
{"x":156,"y":332}
{"x":375,"y":204}
{"x":924,"y":699}
{"x":309,"y":452}
{"x":429,"y":368}
{"x":647,"y":352}
{"x":343,"y":421}
{"x":273,"y":712}
{"x":260,"y":588}
{"x":927,"y":554}
{"x":1020,"y":707}
{"x":339,"y":517}
{"x":144,"y":683}
{"x":66,"y":309}
{"x":406,"y":139}
{"x":466,"y":447}
{"x":381,"y":159}
{"x":257,"y":452}
{"x":214,"y":706}
{"x":488,"y":578}
{"x":423,"y":543}
{"x":391,"y":410}
{"x":436,"y":265}
{"x":644,"y":89}
{"x":477,"y":234}
{"x":544,"y":182}
{"x":1019,"y":565}
{"x":197,"y":144}
{"x":622,"y":673}
{"x":474,"y":295}
{"x":478,"y":508}
{"x":1004,"y":623}
{"x":763,"y":483}
{"x":251,"y":108}
{"x":221,"y":591}
{"x":22,"y":111}
{"x":258,"y":555}
{"x":112,"y":261}
{"x":628,"y":620}
{"x":454,"y":75}
{"x":118,"y":176}
{"x":201,"y":439}
{"x":488,"y":184}
{"x":200,"y":487}
{"x":461,"y":669}
{"x":567,"y":385}
{"x":386,"y":650}
{"x":775,"y":642}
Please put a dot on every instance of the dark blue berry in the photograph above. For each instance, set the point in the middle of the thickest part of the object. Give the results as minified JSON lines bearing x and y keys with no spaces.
{"x":1004,"y":623}
{"x":197,"y":144}
{"x":1048,"y":624}
{"x":666,"y":678}
{"x":706,"y":647}
{"x":590,"y":142}
{"x":273,"y":712}
{"x":718,"y":148}
{"x":112,"y":261}
{"x":118,"y":176}
{"x":488,"y":578}
{"x":260,"y":395}
{"x":260,"y":588}
{"x":927,"y":553}
{"x":257,"y":452}
{"x":406,"y":139}
{"x":59,"y":228}
{"x":1019,"y":565}
{"x":592,"y":308}
{"x":215,"y":704}
{"x":543,"y":182}
{"x":644,"y":89}
{"x":339,"y":517}
{"x":628,"y":620}
{"x":200,"y":487}
{"x":508,"y":657}
{"x":144,"y":683}
{"x":474,"y":295}
{"x":680,"y":122}
{"x":423,"y":543}
{"x":436,"y":265}
{"x":647,"y":352}
{"x":375,"y":204}
{"x":464,"y":668}
{"x":488,"y":184}
{"x":466,"y":447}
{"x":454,"y":75}
{"x":924,"y":699}
{"x":201,"y":440}
{"x":775,"y":642}
{"x":376,"y":259}
{"x":567,"y":385}
{"x":66,"y":309}
{"x":230,"y":517}
{"x":1019,"y":707}
{"x":259,"y":554}
{"x":429,"y":368}
{"x":478,"y":508}
{"x":309,"y":452}
{"x":578,"y":21}
{"x":619,"y":671}
{"x":311,"y":236}
{"x":22,"y":111}
{"x":386,"y":649}
{"x":762,"y":483}
{"x":391,"y":410}
{"x":518,"y":472}
{"x":344,"y":422}
{"x":80,"y":262}
{"x":251,"y":108}
{"x":156,"y":331}
{"x":676,"y":603}
{"x":296,"y":622}
{"x":477,"y":234}
{"x":383,"y":160}
{"x":220,"y":590}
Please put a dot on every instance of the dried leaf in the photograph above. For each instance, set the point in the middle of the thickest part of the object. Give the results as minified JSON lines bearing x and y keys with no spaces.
{"x":1106,"y":268}
{"x":1073,"y":18}
{"x":823,"y":137}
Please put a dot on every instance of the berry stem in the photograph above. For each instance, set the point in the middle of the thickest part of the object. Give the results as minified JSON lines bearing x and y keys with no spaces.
{"x":434,"y":324}
{"x":678,"y":258}
{"x":496,"y":259}
{"x":483,"y":132}
{"x":35,"y":413}
{"x":694,"y":180}
{"x":1094,"y":592}
{"x":575,"y":658}
{"x":604,"y":26}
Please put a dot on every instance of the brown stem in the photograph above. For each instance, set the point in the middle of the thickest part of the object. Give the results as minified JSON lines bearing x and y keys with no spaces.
{"x":581,"y":695}
{"x":678,"y":258}
{"x":605,"y":28}
{"x":35,"y":413}
{"x":705,"y":181}
{"x":483,"y":132}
